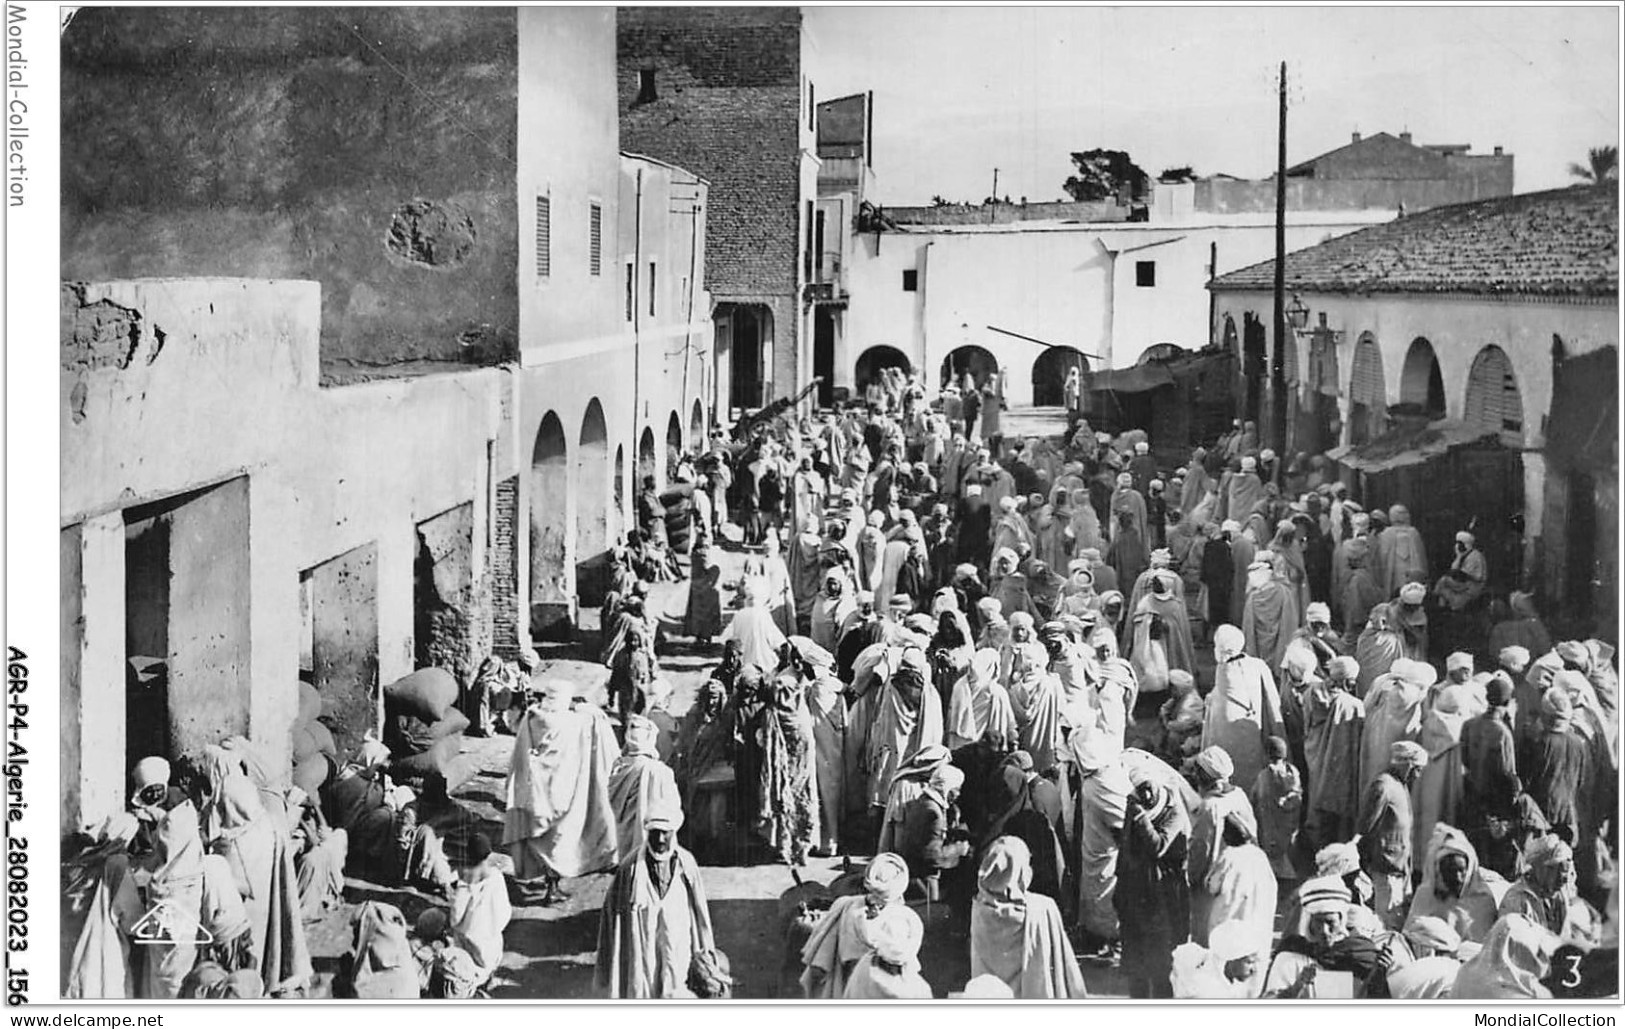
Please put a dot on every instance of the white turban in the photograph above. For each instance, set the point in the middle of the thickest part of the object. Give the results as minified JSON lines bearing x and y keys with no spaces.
{"x":895,"y":934}
{"x":886,"y":877}
{"x":1229,"y":640}
{"x":1235,"y":939}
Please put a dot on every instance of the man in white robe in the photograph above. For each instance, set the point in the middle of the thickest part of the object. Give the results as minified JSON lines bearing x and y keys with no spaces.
{"x":1244,"y":708}
{"x":558,"y":821}
{"x":640,"y":783}
{"x":655,"y":918}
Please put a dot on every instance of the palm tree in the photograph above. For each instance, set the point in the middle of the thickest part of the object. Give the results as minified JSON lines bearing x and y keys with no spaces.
{"x":1602,"y":166}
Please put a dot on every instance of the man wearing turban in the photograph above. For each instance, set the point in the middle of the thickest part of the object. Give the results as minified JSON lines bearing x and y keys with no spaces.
{"x":891,"y":969}
{"x":1269,"y":617}
{"x":1467,"y":576}
{"x":655,"y":920}
{"x":1334,"y":722}
{"x":1244,"y":708}
{"x":1556,"y":766}
{"x":907,"y":718}
{"x":1400,"y":558}
{"x":1455,"y":889}
{"x":1386,"y":830}
{"x":1016,"y":934}
{"x":1322,"y":939}
{"x":1548,"y":894}
{"x":841,"y":937}
{"x":1221,"y":801}
{"x":1102,"y":807}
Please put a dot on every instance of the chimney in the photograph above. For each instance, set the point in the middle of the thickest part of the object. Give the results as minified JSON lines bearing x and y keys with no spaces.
{"x":1497,"y":151}
{"x":1404,"y":137}
{"x":1356,"y":136}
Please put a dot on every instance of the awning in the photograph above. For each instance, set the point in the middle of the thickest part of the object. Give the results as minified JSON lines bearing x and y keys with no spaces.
{"x":1401,"y":447}
{"x":1138,"y":379}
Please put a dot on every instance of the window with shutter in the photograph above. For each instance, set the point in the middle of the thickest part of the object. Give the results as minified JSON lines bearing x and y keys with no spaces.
{"x":1493,"y":401}
{"x":595,"y":241}
{"x":544,"y":230}
{"x":1366,"y":385}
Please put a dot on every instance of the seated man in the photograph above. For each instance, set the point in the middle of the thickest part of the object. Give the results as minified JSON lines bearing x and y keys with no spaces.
{"x":1321,"y":942}
{"x":387,"y":845}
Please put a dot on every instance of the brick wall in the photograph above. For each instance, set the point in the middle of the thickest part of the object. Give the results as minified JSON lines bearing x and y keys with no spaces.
{"x":728,"y":108}
{"x":502,"y":570}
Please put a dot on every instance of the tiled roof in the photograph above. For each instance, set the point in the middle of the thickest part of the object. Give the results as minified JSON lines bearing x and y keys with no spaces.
{"x":1562,"y":242}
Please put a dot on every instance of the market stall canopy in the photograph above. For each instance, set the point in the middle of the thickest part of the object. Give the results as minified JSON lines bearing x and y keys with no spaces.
{"x":1410,"y":445}
{"x":1139,"y":379}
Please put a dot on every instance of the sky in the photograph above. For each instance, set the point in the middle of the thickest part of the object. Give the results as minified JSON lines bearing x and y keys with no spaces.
{"x":962,"y":90}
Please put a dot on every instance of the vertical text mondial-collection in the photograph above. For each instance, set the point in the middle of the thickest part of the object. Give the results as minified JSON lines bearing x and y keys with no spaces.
{"x":16,"y":107}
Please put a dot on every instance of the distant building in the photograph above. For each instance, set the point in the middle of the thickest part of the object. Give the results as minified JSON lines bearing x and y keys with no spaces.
{"x":728,"y":93}
{"x":1036,"y":288}
{"x":331,"y":407}
{"x":1441,"y":335}
{"x":1378,"y":172}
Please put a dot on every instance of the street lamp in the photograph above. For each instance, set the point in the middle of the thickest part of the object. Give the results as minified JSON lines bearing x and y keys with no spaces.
{"x":1297,"y":315}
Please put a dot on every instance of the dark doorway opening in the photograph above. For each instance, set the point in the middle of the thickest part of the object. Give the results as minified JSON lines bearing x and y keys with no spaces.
{"x":1254,"y":366}
{"x":872,"y":361}
{"x":146,"y":634}
{"x":750,"y":324}
{"x":824,"y":352}
{"x":974,"y":361}
{"x":1050,"y":372}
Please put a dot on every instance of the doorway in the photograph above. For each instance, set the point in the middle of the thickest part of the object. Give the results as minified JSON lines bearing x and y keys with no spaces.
{"x":824,"y":352}
{"x":1050,"y":372}
{"x":186,"y":621}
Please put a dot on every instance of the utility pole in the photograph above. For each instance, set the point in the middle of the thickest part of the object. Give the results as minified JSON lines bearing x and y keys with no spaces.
{"x":993,"y":200}
{"x":1277,"y":385}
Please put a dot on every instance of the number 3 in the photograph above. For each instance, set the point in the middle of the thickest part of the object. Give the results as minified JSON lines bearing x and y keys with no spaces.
{"x":1572,"y":978}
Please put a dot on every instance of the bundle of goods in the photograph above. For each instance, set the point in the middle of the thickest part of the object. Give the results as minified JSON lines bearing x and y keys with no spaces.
{"x":423,"y":729}
{"x":315,"y":754}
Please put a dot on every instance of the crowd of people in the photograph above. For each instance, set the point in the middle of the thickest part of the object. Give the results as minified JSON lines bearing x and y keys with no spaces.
{"x":1184,"y":722}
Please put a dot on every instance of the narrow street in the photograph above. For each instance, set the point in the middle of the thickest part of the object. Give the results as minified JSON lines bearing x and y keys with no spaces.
{"x":550,"y":951}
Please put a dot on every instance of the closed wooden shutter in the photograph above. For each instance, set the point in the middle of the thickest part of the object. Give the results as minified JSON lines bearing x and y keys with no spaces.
{"x":544,"y":231}
{"x":1366,"y":385}
{"x":1493,"y":402}
{"x":1289,"y":362}
{"x":595,"y":241}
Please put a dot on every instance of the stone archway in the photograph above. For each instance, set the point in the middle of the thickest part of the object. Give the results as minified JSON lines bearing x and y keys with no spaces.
{"x":873,"y":361}
{"x":619,"y":510}
{"x":1494,"y":402}
{"x":592,"y":505}
{"x":1421,"y":385}
{"x":972,"y":360}
{"x":648,"y":466}
{"x":550,"y":586}
{"x":696,"y":426}
{"x":1368,"y":392}
{"x":1050,"y":372}
{"x":674,"y":446}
